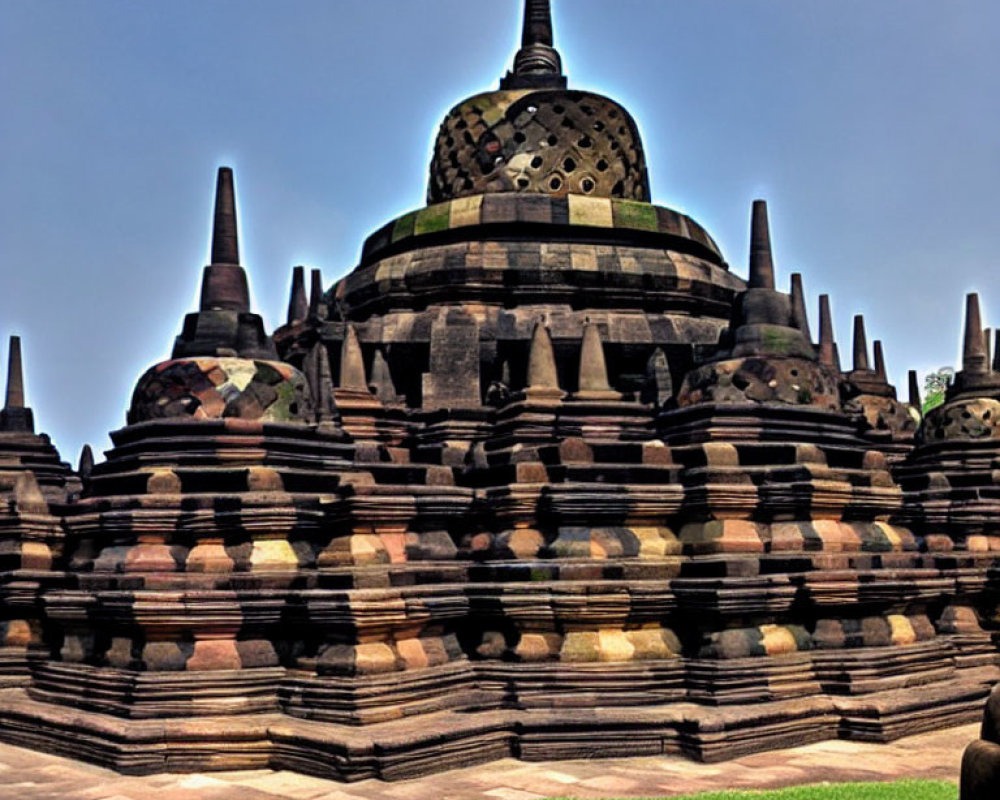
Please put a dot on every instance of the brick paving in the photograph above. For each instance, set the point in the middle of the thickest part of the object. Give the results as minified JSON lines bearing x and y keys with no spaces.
{"x":29,"y":775}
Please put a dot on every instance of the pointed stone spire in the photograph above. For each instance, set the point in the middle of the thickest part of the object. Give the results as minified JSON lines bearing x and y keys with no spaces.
{"x":860,"y":343}
{"x":15,"y":376}
{"x":914,"y":386}
{"x":316,"y":294}
{"x":543,"y":378}
{"x":224,"y":284}
{"x":225,"y":245}
{"x":974,"y":351}
{"x":800,"y":316}
{"x":537,"y":64}
{"x":836,"y":358}
{"x":880,"y":361}
{"x":761,"y":261}
{"x":352,"y":363}
{"x":659,"y":387}
{"x":298,"y":306}
{"x":988,"y":344}
{"x":15,"y":417}
{"x":86,"y":464}
{"x":224,"y":326}
{"x":381,"y":383}
{"x":827,"y":345}
{"x":593,"y":376}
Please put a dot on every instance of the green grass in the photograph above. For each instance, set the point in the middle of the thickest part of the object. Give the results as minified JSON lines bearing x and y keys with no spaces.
{"x":899,"y":790}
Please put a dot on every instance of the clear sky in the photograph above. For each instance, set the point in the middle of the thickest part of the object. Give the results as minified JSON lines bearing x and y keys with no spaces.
{"x":872,"y":127}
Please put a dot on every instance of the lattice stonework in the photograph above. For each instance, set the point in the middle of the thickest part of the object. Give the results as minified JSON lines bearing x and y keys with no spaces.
{"x":556,"y":142}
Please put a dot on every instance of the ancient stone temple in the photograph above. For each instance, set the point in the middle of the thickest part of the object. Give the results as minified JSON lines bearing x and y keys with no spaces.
{"x":540,"y":476}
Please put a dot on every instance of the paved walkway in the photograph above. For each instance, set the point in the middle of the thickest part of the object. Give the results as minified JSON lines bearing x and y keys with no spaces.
{"x":27,"y":775}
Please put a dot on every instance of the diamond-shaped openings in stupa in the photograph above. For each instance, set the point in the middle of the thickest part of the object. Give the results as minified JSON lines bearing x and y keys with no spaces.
{"x":534,"y":135}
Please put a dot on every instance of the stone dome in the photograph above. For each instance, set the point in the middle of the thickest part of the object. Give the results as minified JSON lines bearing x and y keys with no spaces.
{"x":554,"y":141}
{"x":217,"y":388}
{"x":535,"y":135}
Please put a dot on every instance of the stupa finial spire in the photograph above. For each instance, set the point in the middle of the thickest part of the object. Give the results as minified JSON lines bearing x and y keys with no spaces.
{"x":827,"y":345}
{"x":537,"y":27}
{"x":298,"y":306}
{"x":974,"y":351}
{"x":800,"y":317}
{"x":225,"y":247}
{"x":15,"y":376}
{"x":224,"y":283}
{"x":880,"y":368}
{"x":537,"y":63}
{"x":15,"y":417}
{"x":860,"y":343}
{"x":761,"y":261}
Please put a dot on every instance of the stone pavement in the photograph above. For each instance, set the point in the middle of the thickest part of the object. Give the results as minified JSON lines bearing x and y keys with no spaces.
{"x":27,"y":775}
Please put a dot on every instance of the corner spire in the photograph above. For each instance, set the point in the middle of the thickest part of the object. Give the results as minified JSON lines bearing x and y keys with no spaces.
{"x":880,"y":369}
{"x":800,"y":317}
{"x":543,"y":377}
{"x":352,"y":364}
{"x":224,"y":284}
{"x":86,"y":463}
{"x":15,"y":417}
{"x":827,"y":346}
{"x":315,"y":294}
{"x":298,"y":306}
{"x":914,"y":390}
{"x":593,"y":375}
{"x":860,"y":343}
{"x":537,"y":64}
{"x":974,"y":351}
{"x":761,"y":262}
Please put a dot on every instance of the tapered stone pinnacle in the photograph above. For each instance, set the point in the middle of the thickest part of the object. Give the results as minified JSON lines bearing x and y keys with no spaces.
{"x":298,"y":305}
{"x":988,"y":344}
{"x":593,"y":368}
{"x":15,"y":376}
{"x":542,"y":372}
{"x":86,"y":463}
{"x":827,"y":345}
{"x":914,"y":387}
{"x":974,"y":350}
{"x":381,"y":383}
{"x":537,"y":28}
{"x":537,"y":64}
{"x":316,"y":293}
{"x":800,"y":317}
{"x":316,"y":367}
{"x":224,"y":283}
{"x":225,"y":246}
{"x":15,"y":416}
{"x":761,"y":261}
{"x":352,"y":363}
{"x":880,"y":361}
{"x":860,"y":343}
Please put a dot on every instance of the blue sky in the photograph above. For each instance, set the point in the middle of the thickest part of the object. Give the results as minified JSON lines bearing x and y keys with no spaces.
{"x":870,"y":126}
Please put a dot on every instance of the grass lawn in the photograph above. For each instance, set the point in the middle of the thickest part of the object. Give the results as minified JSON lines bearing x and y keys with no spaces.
{"x":899,"y":790}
